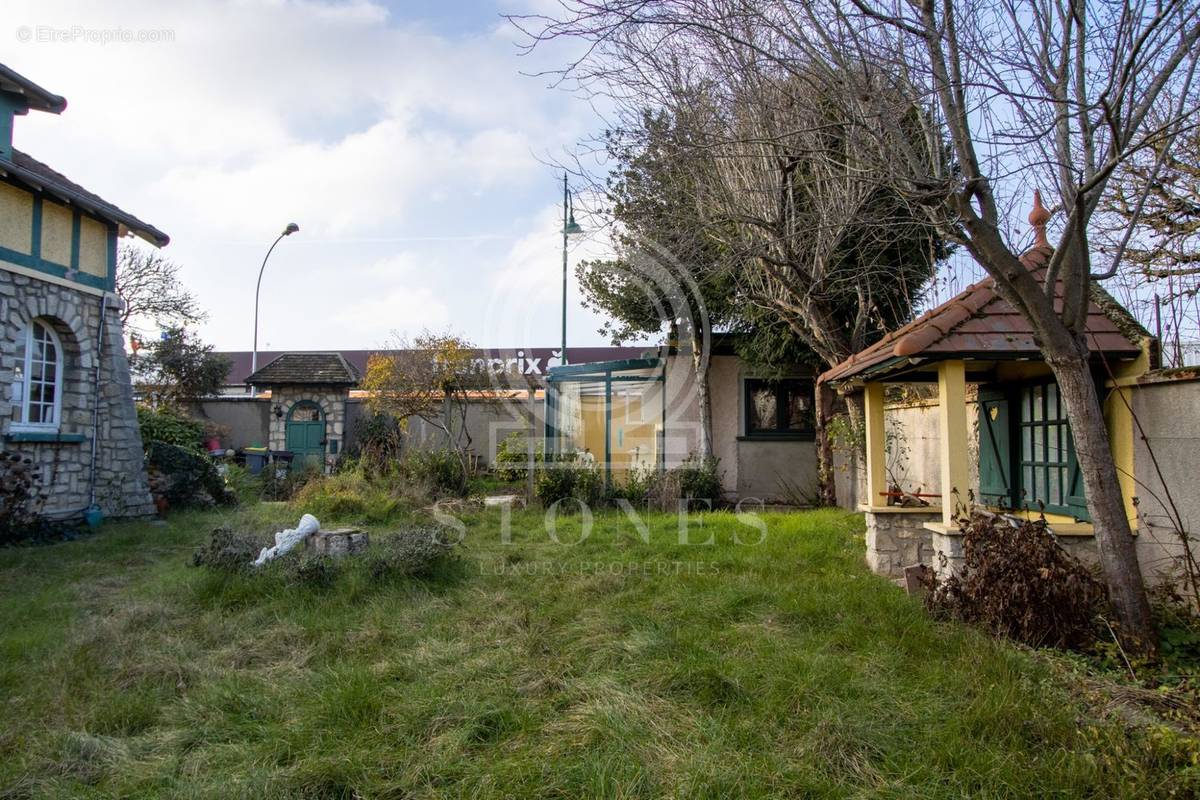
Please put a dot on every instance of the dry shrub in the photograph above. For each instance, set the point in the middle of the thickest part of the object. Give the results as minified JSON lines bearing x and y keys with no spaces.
{"x":20,"y":497}
{"x":411,"y":551}
{"x":1019,"y":583}
{"x":229,"y":551}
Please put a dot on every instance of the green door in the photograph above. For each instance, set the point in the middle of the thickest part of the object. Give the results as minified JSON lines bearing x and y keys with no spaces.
{"x":306,"y":433}
{"x":995,"y":449}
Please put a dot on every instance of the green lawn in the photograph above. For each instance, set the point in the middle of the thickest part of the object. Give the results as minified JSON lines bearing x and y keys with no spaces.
{"x":610,"y":668}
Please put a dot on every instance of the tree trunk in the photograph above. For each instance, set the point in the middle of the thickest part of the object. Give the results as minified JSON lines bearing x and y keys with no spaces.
{"x":1114,"y":537}
{"x":700,"y":370}
{"x":826,"y":485}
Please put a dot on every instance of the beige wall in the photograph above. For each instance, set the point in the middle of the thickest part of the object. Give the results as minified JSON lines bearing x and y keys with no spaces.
{"x":16,"y":219}
{"x":93,"y":247}
{"x":918,"y":467}
{"x":772,"y":471}
{"x":56,"y":233}
{"x":1169,"y":414}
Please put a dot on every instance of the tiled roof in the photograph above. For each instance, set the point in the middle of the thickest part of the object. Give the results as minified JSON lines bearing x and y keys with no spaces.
{"x":39,"y":176}
{"x":978,"y":323}
{"x":306,"y":368}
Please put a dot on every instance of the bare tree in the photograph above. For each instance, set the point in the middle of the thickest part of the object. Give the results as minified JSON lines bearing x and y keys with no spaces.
{"x":1059,"y":93}
{"x":150,"y":287}
{"x":1155,"y":211}
{"x":779,"y":175}
{"x":435,"y":378}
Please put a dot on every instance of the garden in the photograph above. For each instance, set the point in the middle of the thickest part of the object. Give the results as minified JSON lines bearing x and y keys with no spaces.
{"x":627,"y":652}
{"x":638,"y":639}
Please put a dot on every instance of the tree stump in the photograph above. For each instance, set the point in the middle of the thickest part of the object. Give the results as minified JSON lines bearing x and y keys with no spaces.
{"x":338,"y":542}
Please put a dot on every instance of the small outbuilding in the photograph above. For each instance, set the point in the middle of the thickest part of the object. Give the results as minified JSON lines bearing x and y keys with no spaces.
{"x":1003,"y":439}
{"x":309,"y":392}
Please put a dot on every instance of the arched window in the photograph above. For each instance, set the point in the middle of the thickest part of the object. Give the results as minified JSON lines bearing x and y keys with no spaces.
{"x":37,"y":384}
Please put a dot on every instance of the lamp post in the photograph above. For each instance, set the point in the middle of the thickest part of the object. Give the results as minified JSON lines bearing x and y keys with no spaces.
{"x":288,"y":231}
{"x":569,"y":227}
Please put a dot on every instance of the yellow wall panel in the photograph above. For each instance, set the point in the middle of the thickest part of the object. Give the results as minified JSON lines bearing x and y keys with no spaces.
{"x":16,"y":219}
{"x":56,"y":233}
{"x":93,"y":247}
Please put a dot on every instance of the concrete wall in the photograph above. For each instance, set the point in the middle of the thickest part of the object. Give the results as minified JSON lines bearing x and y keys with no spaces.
{"x":1169,"y":414}
{"x":245,"y":419}
{"x":773,"y":471}
{"x":487,"y":423}
{"x":248,"y":421}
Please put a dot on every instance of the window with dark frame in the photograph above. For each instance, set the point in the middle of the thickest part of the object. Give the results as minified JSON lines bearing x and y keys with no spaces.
{"x":1026,"y":455}
{"x":1045,"y":447}
{"x":779,"y":408}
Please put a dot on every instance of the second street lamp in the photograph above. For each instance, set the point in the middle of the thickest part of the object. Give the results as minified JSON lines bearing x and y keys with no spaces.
{"x":569,"y":227}
{"x":288,"y":231}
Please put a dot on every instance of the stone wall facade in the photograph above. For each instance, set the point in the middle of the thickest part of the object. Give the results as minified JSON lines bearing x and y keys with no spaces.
{"x":65,"y":466}
{"x":332,"y":401}
{"x":898,"y":539}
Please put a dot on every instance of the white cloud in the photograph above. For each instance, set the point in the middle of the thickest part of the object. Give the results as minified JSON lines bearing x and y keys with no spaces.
{"x":356,"y":123}
{"x":525,"y":304}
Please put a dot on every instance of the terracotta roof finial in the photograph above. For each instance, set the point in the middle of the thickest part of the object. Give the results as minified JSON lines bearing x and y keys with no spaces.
{"x":1038,"y":218}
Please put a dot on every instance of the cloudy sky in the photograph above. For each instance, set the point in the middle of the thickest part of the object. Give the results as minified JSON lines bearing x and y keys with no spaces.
{"x":401,"y":136}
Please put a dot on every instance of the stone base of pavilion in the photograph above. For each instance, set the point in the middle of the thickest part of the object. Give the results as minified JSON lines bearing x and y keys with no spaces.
{"x":903,"y":537}
{"x":899,"y":537}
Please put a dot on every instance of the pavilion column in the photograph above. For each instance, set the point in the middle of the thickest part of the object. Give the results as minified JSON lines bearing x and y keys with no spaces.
{"x":876,"y":447}
{"x":952,"y":419}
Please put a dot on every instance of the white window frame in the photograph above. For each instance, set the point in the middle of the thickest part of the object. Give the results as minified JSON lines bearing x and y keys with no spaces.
{"x":22,"y":424}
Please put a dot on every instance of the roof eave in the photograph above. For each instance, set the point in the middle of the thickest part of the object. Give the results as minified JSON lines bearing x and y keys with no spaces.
{"x":36,"y":97}
{"x":129,"y":222}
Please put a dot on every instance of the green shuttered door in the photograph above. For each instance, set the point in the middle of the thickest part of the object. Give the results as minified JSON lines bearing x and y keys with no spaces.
{"x":995,"y":449}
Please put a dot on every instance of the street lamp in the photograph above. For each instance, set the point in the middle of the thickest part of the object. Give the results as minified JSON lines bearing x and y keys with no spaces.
{"x":569,"y":227}
{"x":288,"y":231}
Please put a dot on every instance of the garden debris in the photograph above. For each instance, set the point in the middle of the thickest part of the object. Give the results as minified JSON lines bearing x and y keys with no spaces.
{"x":503,"y":500}
{"x":1018,"y":582}
{"x":411,"y":551}
{"x":288,"y":539}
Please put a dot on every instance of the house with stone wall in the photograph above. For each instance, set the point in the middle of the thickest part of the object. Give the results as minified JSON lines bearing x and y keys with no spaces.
{"x":66,"y":401}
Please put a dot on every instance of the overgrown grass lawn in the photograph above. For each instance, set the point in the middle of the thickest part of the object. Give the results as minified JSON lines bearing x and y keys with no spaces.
{"x":608,"y":668}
